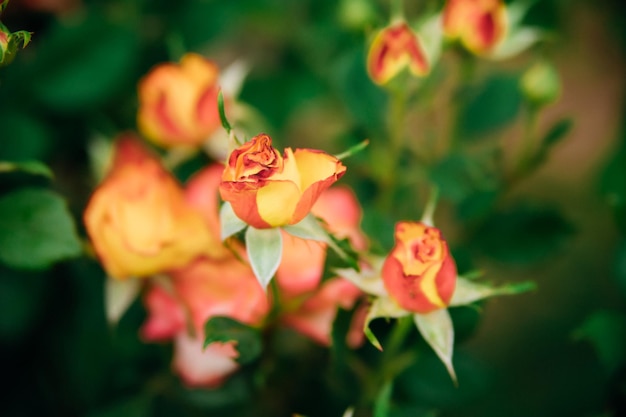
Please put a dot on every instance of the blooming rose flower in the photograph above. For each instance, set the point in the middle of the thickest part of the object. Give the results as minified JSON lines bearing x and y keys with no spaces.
{"x":178,"y":103}
{"x":267,"y":190}
{"x":479,"y":24}
{"x":138,"y":219}
{"x":419,"y":273}
{"x":395,"y":48}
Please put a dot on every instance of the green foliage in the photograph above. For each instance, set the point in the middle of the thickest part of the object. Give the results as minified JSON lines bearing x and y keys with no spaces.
{"x":489,"y":106}
{"x":523,"y":234}
{"x":36,"y":230}
{"x":225,"y":329}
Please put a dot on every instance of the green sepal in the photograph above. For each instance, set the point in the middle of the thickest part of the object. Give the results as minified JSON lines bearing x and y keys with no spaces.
{"x":118,"y":296}
{"x":29,"y":167}
{"x":220,"y":105}
{"x":467,"y":291}
{"x":381,"y":307}
{"x":225,"y":329}
{"x":265,"y":250}
{"x":311,"y":228}
{"x":438,"y":331}
{"x":229,"y":222}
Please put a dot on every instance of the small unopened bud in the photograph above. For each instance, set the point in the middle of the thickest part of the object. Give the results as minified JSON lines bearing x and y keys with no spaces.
{"x":540,"y":84}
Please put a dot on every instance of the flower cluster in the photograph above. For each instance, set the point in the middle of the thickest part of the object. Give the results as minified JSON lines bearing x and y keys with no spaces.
{"x":247,"y":237}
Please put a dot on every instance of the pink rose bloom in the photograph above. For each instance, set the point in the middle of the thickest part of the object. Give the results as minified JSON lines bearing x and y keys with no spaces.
{"x":300,"y":271}
{"x":208,"y":287}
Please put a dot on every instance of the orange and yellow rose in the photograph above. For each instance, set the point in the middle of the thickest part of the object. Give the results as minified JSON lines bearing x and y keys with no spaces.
{"x":479,"y":24}
{"x":395,"y":48}
{"x":138,"y":219}
{"x":178,"y":103}
{"x":267,"y":189}
{"x":419,"y":273}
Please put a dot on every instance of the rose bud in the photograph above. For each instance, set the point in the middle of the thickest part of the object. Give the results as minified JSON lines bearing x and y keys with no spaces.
{"x":419,"y":273}
{"x":178,"y":103}
{"x":138,"y":220}
{"x":479,"y":24}
{"x":267,"y":190}
{"x":395,"y":48}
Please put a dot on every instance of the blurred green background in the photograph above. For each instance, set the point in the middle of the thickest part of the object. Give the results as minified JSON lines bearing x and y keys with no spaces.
{"x":558,"y":351}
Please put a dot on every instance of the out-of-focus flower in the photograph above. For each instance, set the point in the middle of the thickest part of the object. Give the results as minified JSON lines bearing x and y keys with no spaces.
{"x":218,"y":285}
{"x":58,"y":7}
{"x":315,"y":316}
{"x":178,"y":102}
{"x":395,"y":48}
{"x":419,"y":273}
{"x":138,"y":219}
{"x":302,"y":263}
{"x":480,"y":25}
{"x":267,"y":189}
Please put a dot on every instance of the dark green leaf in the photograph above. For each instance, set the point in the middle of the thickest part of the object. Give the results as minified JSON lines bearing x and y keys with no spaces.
{"x":36,"y":229}
{"x":30,"y":167}
{"x":225,"y":329}
{"x":606,"y":331}
{"x":491,"y":105}
{"x":82,"y":63}
{"x":522,"y":234}
{"x":24,"y":136}
{"x":132,"y":407}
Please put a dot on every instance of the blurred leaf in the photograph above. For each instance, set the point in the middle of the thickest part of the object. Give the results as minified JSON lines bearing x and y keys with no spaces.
{"x":458,"y":177}
{"x":381,"y":405}
{"x":24,"y":136}
{"x":363,"y":99}
{"x":30,"y":167}
{"x":132,"y":407}
{"x":225,"y":329}
{"x":522,"y":234}
{"x":119,"y":295}
{"x":82,"y":63}
{"x":620,"y":266}
{"x":477,"y":205}
{"x":491,"y":105}
{"x":36,"y":229}
{"x":557,"y":132}
{"x":606,"y":331}
{"x":265,"y":250}
{"x":21,"y":299}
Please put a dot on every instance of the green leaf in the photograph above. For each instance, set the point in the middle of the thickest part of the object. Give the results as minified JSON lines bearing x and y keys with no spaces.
{"x":229,"y":222}
{"x":557,"y":132}
{"x":381,"y":405}
{"x":82,"y":63}
{"x":30,"y":167}
{"x":523,"y":234}
{"x":491,"y":105}
{"x":606,"y":331}
{"x":119,"y":295}
{"x":437,"y":330}
{"x":36,"y":229}
{"x":265,"y":250}
{"x":225,"y":329}
{"x":467,"y":291}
